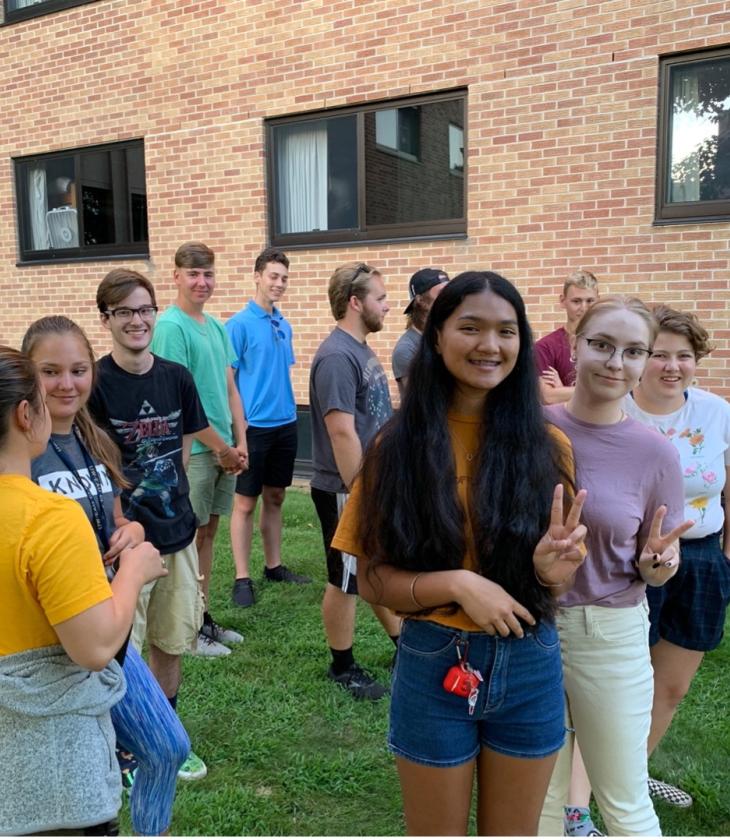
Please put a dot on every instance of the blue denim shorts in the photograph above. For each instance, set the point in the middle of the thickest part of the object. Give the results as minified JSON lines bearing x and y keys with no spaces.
{"x":520,"y":710}
{"x":690,"y":609}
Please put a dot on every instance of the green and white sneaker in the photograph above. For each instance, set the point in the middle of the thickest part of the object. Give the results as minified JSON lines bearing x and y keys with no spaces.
{"x":193,"y":768}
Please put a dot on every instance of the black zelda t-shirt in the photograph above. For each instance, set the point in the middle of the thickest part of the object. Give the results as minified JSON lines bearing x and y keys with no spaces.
{"x":147,"y":415}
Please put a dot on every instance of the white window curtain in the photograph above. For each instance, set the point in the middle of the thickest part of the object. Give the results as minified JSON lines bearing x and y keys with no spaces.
{"x":38,"y":208}
{"x":302,"y":177}
{"x":689,"y":131}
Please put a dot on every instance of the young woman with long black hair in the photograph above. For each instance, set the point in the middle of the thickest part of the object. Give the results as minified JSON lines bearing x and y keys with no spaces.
{"x":60,"y":626}
{"x":83,"y":463}
{"x":457,"y":521}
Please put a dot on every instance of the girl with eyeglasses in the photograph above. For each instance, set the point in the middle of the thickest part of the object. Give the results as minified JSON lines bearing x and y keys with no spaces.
{"x":457,"y":523}
{"x":688,"y":614}
{"x":60,"y":626}
{"x":633,"y":514}
{"x":81,"y":462}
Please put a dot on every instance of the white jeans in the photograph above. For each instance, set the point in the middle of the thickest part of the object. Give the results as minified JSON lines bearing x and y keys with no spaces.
{"x":609,"y":683}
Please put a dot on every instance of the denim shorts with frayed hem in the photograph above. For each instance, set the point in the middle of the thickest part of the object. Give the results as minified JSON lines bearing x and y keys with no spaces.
{"x":520,"y":709}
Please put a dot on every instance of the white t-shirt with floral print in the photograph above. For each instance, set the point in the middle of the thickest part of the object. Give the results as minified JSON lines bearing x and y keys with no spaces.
{"x":700,"y":430}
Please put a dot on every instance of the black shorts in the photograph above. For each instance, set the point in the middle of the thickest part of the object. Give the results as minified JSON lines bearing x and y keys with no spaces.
{"x":271,"y":455}
{"x":329,"y":506}
{"x":690,"y":609}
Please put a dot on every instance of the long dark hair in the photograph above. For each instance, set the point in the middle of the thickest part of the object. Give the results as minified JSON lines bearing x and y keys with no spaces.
{"x":410,"y":514}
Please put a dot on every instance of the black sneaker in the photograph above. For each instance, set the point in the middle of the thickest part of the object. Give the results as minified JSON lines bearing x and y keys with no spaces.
{"x":361,"y":684}
{"x":280,"y":574}
{"x":243,"y":594}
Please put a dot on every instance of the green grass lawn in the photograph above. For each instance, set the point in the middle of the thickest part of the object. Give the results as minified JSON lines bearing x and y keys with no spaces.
{"x":288,"y":752}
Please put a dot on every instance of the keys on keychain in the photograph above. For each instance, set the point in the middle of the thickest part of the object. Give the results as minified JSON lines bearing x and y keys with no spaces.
{"x":463,"y":680}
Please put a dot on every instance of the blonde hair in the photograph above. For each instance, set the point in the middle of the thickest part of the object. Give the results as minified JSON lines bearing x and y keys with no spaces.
{"x":348,"y":280}
{"x":613,"y":303}
{"x":583,"y":279}
{"x":101,"y":446}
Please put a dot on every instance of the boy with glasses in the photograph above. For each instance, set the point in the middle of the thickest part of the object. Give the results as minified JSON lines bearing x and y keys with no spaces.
{"x":262,"y":340}
{"x":150,"y":407}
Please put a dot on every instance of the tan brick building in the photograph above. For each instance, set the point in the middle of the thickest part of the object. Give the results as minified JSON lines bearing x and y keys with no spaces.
{"x":559,"y":113}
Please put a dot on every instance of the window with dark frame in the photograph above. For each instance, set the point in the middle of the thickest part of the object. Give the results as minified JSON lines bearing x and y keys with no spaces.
{"x":83,"y":203}
{"x":371,"y":172}
{"x":24,"y":9}
{"x":693,"y":152}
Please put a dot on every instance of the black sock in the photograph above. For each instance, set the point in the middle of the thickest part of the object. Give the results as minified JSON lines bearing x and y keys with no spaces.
{"x":342,"y":660}
{"x":173,"y":701}
{"x":394,"y":639}
{"x":273,"y":574}
{"x":207,"y":618}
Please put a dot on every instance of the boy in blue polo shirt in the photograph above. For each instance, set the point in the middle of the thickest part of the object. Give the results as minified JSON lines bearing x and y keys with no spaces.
{"x":262,"y":340}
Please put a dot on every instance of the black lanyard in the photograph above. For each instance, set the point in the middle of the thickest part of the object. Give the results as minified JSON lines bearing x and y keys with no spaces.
{"x":96,"y":502}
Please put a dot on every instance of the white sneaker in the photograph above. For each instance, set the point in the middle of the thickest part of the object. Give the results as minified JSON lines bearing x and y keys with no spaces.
{"x":206,"y":646}
{"x":220,"y":634}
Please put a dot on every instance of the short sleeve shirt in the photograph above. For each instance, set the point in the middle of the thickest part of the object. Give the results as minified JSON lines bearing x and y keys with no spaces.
{"x":700,"y":432}
{"x":553,"y":350}
{"x":345,"y":376}
{"x":147,"y":415}
{"x":404,"y":351}
{"x":262,"y":342}
{"x":628,"y":471}
{"x":206,"y":351}
{"x":50,"y":569}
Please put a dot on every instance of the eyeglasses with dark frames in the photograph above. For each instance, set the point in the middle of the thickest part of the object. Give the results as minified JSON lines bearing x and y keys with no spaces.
{"x":126,"y":313}
{"x":606,"y":351}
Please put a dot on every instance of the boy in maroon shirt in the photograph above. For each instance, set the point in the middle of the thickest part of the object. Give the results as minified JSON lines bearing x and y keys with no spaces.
{"x":553,"y":355}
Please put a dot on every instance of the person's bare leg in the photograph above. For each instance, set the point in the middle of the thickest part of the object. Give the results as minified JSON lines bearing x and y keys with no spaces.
{"x":579,"y":795}
{"x":242,"y":517}
{"x":511,"y":792}
{"x":270,"y":522}
{"x":204,"y":539}
{"x":436,"y":800}
{"x":167,"y":669}
{"x":338,"y":617}
{"x":390,"y":621}
{"x":674,"y":670}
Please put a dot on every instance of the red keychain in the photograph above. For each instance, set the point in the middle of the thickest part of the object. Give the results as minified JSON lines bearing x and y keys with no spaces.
{"x":463,"y":680}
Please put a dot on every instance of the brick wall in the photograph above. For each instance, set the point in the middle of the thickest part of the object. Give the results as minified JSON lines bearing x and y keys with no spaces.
{"x":561,"y":142}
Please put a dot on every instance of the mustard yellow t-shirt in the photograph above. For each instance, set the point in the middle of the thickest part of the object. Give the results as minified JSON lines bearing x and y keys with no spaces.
{"x":50,"y":568}
{"x":464,"y":431}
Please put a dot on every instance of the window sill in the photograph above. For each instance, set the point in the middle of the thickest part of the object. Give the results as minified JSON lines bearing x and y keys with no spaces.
{"x":690,"y":220}
{"x":41,"y":10}
{"x":305,"y":246}
{"x":67,"y":260}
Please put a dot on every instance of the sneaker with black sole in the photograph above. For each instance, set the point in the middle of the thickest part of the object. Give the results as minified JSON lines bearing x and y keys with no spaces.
{"x":193,"y":768}
{"x":222,"y":635}
{"x":361,"y":684}
{"x":670,"y":794}
{"x":205,"y":646}
{"x":243,"y":594}
{"x":280,"y":574}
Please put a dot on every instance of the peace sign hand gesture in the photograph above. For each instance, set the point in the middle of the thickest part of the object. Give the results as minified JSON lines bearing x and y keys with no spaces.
{"x":560,"y":552}
{"x":660,"y":558}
